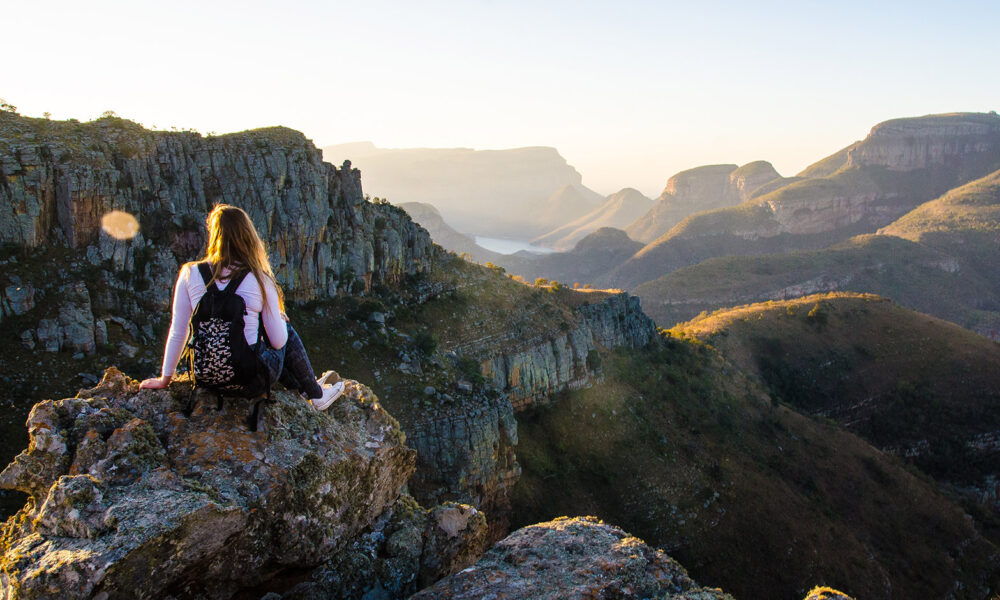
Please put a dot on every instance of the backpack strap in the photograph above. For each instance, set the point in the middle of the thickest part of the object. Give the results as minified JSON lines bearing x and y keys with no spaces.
{"x":234,"y":282}
{"x":206,"y":272}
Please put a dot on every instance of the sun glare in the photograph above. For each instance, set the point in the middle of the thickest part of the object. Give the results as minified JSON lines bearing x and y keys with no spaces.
{"x":120,"y":225}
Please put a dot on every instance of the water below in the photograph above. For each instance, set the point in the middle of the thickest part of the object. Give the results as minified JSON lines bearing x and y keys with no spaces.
{"x":505,"y":246}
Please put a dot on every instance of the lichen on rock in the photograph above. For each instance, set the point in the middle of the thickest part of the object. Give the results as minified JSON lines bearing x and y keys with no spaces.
{"x":131,"y":491}
{"x":571,"y":558}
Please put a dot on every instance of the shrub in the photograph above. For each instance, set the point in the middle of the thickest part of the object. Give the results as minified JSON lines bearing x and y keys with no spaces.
{"x":594,"y":360}
{"x":469,"y":368}
{"x":425,"y":342}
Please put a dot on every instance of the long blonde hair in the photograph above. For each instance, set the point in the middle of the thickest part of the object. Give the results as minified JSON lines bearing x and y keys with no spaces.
{"x":233,"y":242}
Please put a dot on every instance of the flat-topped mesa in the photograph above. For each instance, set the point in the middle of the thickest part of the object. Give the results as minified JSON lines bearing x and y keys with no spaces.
{"x":60,"y":178}
{"x":697,"y":190}
{"x":130,"y":490}
{"x":923,"y":142}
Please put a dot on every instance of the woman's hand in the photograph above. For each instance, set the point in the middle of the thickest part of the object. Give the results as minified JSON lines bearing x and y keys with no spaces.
{"x":156,"y":383}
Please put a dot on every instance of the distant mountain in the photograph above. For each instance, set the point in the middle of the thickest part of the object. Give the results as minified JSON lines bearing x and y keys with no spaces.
{"x":500,"y":193}
{"x":618,"y":210}
{"x":430,"y":219}
{"x":697,"y":190}
{"x":901,"y":164}
{"x":567,"y":203}
{"x":942,"y":258}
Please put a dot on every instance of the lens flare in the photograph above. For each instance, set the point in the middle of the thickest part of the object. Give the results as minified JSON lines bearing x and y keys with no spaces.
{"x":120,"y":225}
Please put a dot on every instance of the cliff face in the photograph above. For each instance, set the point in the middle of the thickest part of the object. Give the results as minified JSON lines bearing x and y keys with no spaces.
{"x":59,"y":179}
{"x":140,"y":490}
{"x":531,"y":370}
{"x":467,"y":451}
{"x":924,"y":142}
{"x":687,"y":192}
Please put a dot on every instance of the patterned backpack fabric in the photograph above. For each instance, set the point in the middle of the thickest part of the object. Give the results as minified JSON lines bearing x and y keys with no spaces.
{"x":220,"y":357}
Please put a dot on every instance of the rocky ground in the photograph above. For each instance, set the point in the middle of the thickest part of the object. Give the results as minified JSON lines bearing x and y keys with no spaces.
{"x":169,"y":493}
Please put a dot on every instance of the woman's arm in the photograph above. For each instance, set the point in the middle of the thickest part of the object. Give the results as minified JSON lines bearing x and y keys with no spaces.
{"x":180,"y":317}
{"x":275,"y":322}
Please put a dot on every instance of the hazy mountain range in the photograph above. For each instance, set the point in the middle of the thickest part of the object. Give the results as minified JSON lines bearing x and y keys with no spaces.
{"x":518,"y":193}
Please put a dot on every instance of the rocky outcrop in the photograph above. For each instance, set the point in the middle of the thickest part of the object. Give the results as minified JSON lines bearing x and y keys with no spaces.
{"x":408,"y":548}
{"x":925,"y":142}
{"x":825,"y":593}
{"x":570,"y":559}
{"x":59,"y":180}
{"x":174,"y":493}
{"x":532,"y":370}
{"x":468,"y":453}
{"x":619,"y":210}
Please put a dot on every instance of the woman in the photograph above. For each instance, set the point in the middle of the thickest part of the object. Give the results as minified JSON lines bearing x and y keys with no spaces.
{"x":233,"y":245}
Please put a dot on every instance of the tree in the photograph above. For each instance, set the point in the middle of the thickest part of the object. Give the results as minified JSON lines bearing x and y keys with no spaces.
{"x":109,"y":114}
{"x":7,"y":107}
{"x":47,"y":115}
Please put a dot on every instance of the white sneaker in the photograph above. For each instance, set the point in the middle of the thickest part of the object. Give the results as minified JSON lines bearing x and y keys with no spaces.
{"x":325,"y":377}
{"x":330,"y":393}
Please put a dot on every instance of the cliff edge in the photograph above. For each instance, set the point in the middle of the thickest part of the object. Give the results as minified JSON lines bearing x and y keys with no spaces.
{"x":171,"y":493}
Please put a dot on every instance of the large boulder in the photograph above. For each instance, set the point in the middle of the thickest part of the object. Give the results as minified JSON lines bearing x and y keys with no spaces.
{"x":174,"y":493}
{"x":568,"y":559}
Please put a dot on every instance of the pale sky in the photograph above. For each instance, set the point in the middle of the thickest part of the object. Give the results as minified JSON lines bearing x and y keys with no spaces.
{"x":628,"y":92}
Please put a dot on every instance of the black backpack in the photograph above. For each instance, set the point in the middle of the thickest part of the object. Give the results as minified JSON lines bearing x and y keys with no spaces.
{"x":220,"y":357}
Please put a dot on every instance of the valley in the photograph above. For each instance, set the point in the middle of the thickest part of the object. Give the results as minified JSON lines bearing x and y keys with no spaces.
{"x":824,"y":440}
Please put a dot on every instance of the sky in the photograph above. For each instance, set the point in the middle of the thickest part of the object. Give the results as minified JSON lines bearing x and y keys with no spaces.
{"x":628,"y":92}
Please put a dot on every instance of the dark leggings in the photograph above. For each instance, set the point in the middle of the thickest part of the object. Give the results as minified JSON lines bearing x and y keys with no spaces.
{"x":290,"y":365}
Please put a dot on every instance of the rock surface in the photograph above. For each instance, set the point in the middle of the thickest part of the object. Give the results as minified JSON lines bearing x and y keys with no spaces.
{"x":129,"y":491}
{"x":568,"y":559}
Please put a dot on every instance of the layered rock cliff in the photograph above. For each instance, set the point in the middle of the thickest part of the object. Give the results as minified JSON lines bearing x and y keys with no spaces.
{"x":59,"y":180}
{"x":697,"y":190}
{"x":925,"y":142}
{"x":467,"y":445}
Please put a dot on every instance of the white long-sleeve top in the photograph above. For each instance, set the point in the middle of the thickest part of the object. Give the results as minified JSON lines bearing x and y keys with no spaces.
{"x":191,"y":287}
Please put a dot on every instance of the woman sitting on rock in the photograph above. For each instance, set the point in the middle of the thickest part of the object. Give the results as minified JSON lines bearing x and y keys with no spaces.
{"x":219,"y":362}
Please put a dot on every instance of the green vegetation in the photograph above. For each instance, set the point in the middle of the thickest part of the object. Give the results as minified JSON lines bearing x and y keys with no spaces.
{"x":902,"y":380}
{"x":678,"y":447}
